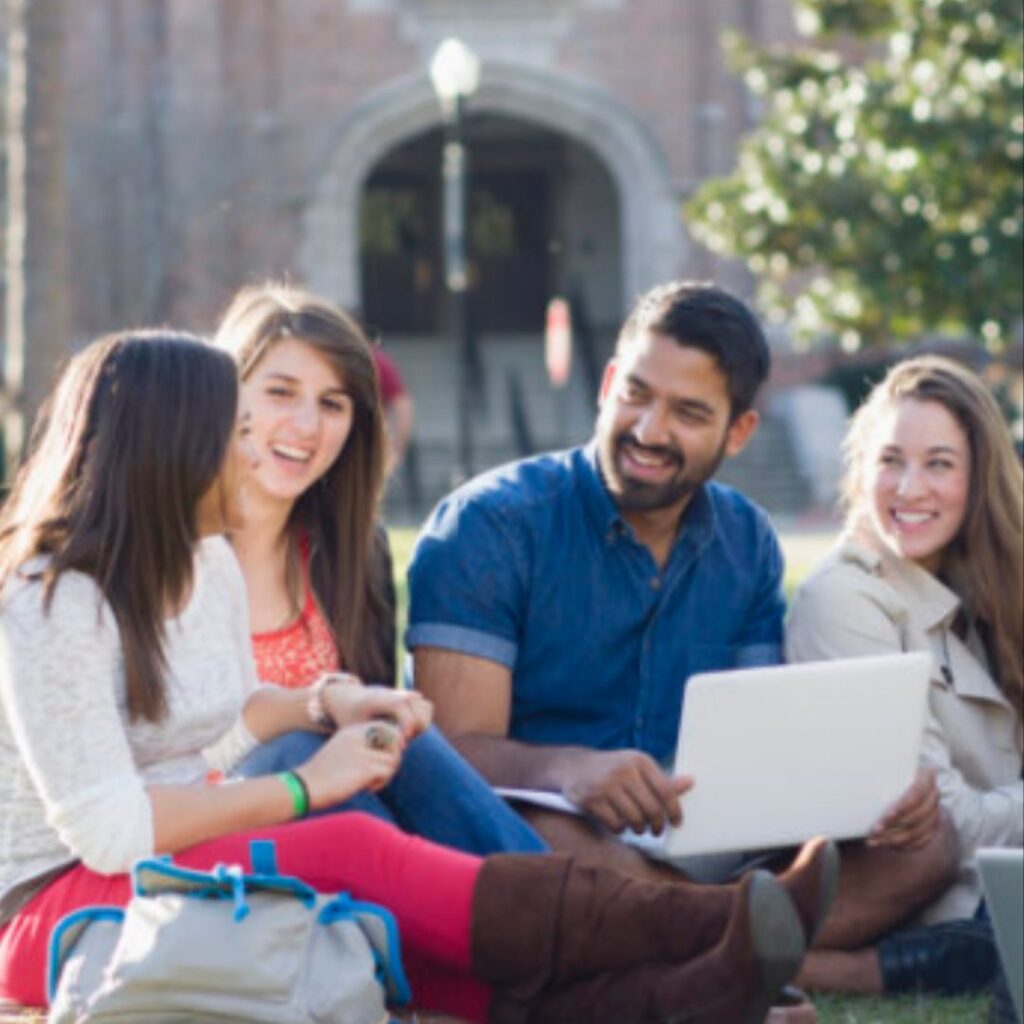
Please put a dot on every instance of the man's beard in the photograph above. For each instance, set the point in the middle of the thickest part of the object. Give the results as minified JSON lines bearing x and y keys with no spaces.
{"x":632,"y":495}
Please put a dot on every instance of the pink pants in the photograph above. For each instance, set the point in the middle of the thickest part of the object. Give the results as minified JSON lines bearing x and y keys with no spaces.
{"x":428,"y":888}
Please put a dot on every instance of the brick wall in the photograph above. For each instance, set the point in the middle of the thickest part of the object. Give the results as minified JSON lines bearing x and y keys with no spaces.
{"x":198,"y":127}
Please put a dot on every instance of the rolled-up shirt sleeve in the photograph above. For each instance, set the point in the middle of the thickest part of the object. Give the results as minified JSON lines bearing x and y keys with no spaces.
{"x":467,"y":584}
{"x":235,"y":744}
{"x":58,"y":676}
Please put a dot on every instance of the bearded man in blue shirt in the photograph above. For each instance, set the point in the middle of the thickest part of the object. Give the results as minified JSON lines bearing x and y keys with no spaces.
{"x":558,"y":605}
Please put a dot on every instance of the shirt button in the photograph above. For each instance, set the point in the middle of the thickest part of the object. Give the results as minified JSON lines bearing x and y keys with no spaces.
{"x":656,"y":583}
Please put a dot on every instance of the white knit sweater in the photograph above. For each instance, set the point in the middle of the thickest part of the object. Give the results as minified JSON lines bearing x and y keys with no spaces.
{"x":73,"y":769}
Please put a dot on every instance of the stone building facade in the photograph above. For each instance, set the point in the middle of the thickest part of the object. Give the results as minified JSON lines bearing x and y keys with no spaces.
{"x":217,"y":142}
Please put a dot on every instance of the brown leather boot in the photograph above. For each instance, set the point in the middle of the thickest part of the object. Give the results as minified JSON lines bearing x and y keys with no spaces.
{"x":609,"y":921}
{"x":557,"y":921}
{"x":737,"y":982}
{"x":734,"y":983}
{"x":812,"y":881}
{"x":613,"y":922}
{"x":542,"y":923}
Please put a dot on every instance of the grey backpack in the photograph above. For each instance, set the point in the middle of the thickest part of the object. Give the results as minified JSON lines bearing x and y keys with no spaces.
{"x":225,"y":946}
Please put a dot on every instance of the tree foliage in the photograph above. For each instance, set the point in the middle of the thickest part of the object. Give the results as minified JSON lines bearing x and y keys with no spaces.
{"x":881,"y":194}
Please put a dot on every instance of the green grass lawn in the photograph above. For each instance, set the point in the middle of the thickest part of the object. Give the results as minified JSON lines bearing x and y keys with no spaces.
{"x":907,"y":1010}
{"x":803,"y":551}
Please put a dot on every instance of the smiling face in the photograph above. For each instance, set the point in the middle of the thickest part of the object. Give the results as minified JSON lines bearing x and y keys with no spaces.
{"x":301,"y":418}
{"x":918,"y":474}
{"x":664,"y":425}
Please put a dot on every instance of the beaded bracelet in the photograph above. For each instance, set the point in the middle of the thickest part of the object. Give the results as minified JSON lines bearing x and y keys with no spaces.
{"x":298,"y":790}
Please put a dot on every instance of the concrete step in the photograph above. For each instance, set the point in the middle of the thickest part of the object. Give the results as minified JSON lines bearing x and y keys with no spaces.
{"x":767,"y":471}
{"x":515,"y":411}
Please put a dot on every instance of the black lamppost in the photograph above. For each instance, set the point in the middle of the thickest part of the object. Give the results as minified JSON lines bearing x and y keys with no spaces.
{"x":455,"y":73}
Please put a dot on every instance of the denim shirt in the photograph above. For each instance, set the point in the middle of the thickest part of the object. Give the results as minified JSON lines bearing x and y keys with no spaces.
{"x":532,"y":566}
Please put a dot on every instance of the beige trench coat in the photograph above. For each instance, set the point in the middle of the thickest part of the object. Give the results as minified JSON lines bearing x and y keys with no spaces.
{"x":864,"y":600}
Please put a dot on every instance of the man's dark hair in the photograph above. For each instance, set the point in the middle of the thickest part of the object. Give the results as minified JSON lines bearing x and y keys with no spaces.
{"x":697,"y":314}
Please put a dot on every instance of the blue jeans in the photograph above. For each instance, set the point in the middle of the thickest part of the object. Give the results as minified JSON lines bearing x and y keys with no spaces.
{"x":435,"y":794}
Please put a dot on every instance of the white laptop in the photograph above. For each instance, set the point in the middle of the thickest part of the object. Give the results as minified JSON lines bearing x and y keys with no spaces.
{"x":1002,"y":877}
{"x":785,"y":753}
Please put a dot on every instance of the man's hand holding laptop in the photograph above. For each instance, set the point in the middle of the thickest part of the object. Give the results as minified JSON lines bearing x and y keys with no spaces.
{"x":754,"y":775}
{"x":625,"y":789}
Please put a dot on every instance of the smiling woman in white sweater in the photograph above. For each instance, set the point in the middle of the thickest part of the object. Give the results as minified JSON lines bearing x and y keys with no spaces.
{"x":126,"y":674}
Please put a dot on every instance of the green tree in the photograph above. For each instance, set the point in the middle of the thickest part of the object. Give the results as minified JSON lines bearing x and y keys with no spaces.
{"x":881,"y":194}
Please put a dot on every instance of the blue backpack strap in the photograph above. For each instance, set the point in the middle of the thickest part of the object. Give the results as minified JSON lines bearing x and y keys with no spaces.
{"x":232,"y":876}
{"x":66,"y":932}
{"x":265,"y":876}
{"x":381,"y":930}
{"x":263,"y":856}
{"x":154,"y":875}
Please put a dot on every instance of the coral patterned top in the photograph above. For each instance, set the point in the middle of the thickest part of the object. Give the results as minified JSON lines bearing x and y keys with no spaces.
{"x":297,"y":654}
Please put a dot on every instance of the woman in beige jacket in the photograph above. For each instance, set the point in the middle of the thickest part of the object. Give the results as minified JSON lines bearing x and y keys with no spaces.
{"x":932,"y":560}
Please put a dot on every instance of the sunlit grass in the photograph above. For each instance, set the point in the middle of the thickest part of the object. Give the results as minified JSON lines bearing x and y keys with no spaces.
{"x":906,"y":1010}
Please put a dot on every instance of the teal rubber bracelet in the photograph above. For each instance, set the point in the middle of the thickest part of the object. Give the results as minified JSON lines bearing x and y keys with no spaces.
{"x":299,"y":793}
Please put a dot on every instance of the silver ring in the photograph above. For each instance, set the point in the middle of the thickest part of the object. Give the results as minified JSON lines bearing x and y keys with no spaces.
{"x":379,"y":737}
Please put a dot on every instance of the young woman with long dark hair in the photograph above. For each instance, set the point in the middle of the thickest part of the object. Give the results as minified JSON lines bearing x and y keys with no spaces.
{"x":317,"y":569}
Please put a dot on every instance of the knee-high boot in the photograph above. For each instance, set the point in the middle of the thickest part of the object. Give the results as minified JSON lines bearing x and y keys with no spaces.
{"x":573,"y":920}
{"x":812,"y":881}
{"x":541,"y":922}
{"x":733,"y":983}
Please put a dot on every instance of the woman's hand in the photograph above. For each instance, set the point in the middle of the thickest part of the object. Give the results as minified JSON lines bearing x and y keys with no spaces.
{"x":349,"y":701}
{"x":356,"y":758}
{"x":911,"y":822}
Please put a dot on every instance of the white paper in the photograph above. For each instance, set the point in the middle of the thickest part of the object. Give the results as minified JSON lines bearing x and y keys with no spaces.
{"x":646,"y":841}
{"x":540,"y":798}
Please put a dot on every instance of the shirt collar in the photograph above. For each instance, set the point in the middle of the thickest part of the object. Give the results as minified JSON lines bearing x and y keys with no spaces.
{"x":600,"y":507}
{"x":698,"y":525}
{"x":930,"y":602}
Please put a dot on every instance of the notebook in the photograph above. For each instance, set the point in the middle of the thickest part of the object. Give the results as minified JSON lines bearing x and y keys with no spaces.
{"x":1002,"y":878}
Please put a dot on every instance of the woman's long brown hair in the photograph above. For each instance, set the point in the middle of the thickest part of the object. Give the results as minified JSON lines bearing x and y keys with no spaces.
{"x":131,"y":438}
{"x":984,"y":564}
{"x":350,"y":567}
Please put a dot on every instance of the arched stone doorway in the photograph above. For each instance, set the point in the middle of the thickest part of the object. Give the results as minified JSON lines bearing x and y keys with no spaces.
{"x":652,"y":243}
{"x":589,"y":176}
{"x":543,"y":219}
